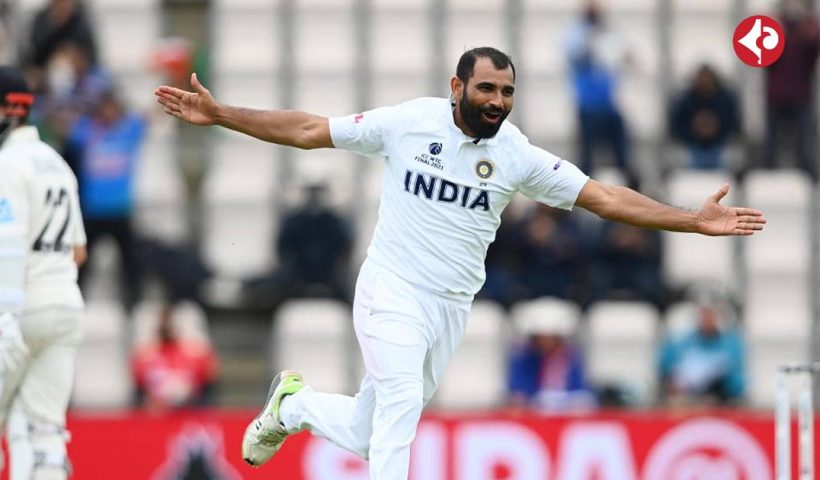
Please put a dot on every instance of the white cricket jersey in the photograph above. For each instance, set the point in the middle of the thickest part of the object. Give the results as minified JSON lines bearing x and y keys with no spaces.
{"x":443,"y":193}
{"x":40,"y":219}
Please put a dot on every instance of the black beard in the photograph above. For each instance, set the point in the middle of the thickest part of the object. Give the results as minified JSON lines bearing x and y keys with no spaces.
{"x":472,"y":117}
{"x":7,"y":124}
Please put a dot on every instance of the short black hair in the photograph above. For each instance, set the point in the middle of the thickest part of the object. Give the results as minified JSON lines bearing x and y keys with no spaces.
{"x":466,"y":64}
{"x":15,"y":95}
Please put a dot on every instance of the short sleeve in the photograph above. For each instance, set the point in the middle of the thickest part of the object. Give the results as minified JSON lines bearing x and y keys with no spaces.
{"x":14,"y":202}
{"x":14,"y":213}
{"x":364,"y":133}
{"x":550,"y":180}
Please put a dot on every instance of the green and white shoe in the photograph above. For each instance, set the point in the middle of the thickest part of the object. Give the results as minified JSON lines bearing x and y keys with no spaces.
{"x":265,"y":434}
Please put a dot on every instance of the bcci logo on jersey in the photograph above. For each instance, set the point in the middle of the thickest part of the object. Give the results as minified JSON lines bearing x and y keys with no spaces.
{"x":5,"y":211}
{"x":441,"y":190}
{"x":484,"y":168}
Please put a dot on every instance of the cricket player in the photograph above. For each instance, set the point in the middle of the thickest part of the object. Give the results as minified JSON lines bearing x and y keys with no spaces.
{"x":41,"y":241}
{"x":452,"y":166}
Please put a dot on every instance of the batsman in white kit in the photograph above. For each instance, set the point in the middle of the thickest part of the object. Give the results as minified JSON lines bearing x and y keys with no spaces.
{"x":41,"y":240}
{"x":452,"y":165}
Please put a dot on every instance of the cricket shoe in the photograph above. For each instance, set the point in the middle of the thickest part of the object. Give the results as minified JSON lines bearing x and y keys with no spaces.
{"x":266,"y":434}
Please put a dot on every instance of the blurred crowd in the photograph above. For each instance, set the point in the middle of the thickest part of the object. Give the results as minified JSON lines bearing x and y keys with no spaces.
{"x":538,"y":252}
{"x":700,"y":362}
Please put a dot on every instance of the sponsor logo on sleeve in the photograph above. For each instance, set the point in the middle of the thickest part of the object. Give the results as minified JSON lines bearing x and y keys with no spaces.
{"x":6,"y":215}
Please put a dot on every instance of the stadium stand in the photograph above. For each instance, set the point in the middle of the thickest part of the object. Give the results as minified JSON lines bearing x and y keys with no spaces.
{"x":620,"y":339}
{"x":247,"y":184}
{"x":778,"y":313}
{"x":102,"y":380}
{"x":691,"y":259}
{"x":315,"y":336}
{"x":190,"y":322}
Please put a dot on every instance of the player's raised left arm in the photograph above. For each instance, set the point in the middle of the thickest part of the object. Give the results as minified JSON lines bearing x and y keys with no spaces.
{"x":625,"y":205}
{"x":284,"y":127}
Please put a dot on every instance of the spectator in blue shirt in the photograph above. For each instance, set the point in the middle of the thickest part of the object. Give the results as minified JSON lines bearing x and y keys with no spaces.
{"x":546,"y":368}
{"x":596,"y":52}
{"x":704,"y":365}
{"x":104,"y":148}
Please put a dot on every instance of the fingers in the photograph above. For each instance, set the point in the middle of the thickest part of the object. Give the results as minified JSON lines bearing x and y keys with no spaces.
{"x":749,"y":227}
{"x":174,"y":113}
{"x":167,"y":102}
{"x":169,"y":92}
{"x":717,"y":197}
{"x":751,"y":219}
{"x":170,"y":107}
{"x":749,"y":211}
{"x":170,"y":98}
{"x":198,"y":86}
{"x":748,"y":222}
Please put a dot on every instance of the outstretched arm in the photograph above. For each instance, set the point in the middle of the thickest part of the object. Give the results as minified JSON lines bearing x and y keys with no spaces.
{"x":283,"y":127}
{"x":628,"y":206}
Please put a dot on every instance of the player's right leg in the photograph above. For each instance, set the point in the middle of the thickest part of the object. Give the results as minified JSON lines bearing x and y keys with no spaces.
{"x":343,"y":420}
{"x":266,"y":433}
{"x":394,"y":358}
{"x":380,"y":422}
{"x":37,"y":449}
{"x":9,"y":384}
{"x":36,"y":430}
{"x":395,"y":337}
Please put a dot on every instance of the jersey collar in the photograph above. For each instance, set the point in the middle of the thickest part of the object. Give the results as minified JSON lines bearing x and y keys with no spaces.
{"x":484,"y":141}
{"x":465,"y":138}
{"x":23,"y":134}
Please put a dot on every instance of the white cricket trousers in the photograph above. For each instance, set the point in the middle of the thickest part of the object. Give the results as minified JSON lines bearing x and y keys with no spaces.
{"x":407,"y":336}
{"x":37,"y":394}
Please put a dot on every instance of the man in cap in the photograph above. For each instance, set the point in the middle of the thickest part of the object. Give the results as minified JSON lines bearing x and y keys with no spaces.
{"x":42,"y":240}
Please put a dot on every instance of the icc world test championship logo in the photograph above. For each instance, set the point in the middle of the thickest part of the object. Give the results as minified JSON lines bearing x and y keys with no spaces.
{"x":758,"y":41}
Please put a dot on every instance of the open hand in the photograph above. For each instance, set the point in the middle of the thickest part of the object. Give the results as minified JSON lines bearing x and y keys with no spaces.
{"x":715,"y":219}
{"x":198,"y":107}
